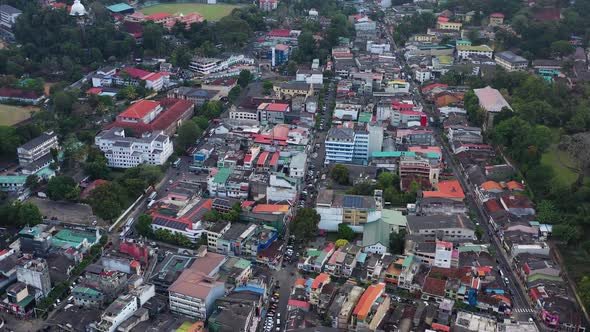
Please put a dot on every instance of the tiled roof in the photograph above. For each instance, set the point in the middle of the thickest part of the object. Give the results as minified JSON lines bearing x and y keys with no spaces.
{"x":320,"y":280}
{"x":140,"y":109}
{"x":367,"y":299}
{"x":447,"y":189}
{"x":491,"y":185}
{"x":271,"y":208}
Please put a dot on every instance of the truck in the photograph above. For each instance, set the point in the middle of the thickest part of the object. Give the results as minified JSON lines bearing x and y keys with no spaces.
{"x":152,"y":196}
{"x":176,"y":163}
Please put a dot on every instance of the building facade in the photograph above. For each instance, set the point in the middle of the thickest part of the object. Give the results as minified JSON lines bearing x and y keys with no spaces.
{"x":125,"y":152}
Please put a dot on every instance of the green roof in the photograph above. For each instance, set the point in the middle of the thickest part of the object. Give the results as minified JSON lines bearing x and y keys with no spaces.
{"x":480,"y":48}
{"x":31,"y":231}
{"x":120,"y":7}
{"x":222,"y":175}
{"x":242,"y":263}
{"x":445,"y":59}
{"x":432,"y":155}
{"x":463,"y":42}
{"x":408,"y":261}
{"x":313,"y":252}
{"x":86,"y":290}
{"x":473,"y":248}
{"x":13,"y":179}
{"x":67,"y":237}
{"x":365,"y":117}
{"x":394,"y":217}
{"x":185,"y":327}
{"x":24,"y":302}
{"x":540,"y":276}
{"x":45,"y":172}
{"x":378,"y":231}
{"x":392,"y":154}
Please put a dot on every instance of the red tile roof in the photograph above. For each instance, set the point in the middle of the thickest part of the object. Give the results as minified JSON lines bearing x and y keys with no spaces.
{"x":433,"y":86}
{"x":492,"y":205}
{"x":135,"y":72}
{"x":320,"y":280}
{"x":93,"y":91}
{"x":140,"y":109}
{"x":279,"y":33}
{"x":516,"y":202}
{"x":173,"y":111}
{"x":18,"y":93}
{"x":157,"y":16}
{"x":497,"y":15}
{"x":434,"y":286}
{"x":277,"y":107}
{"x":367,"y":299}
{"x":447,"y":189}
{"x":515,"y":185}
{"x":491,"y":185}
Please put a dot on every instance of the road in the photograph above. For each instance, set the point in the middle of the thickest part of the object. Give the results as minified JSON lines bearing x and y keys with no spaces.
{"x":520,"y":305}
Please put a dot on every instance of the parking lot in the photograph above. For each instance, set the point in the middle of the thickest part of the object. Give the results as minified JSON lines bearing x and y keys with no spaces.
{"x":71,"y":213}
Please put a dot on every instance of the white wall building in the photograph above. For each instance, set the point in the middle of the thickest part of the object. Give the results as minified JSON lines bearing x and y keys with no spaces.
{"x":8,"y":16}
{"x":281,"y":188}
{"x":422,"y":75}
{"x":125,"y":152}
{"x":350,"y":111}
{"x":310,"y":76}
{"x":206,"y":66}
{"x":297,"y":165}
{"x":465,"y":51}
{"x":36,"y":148}
{"x":443,"y":254}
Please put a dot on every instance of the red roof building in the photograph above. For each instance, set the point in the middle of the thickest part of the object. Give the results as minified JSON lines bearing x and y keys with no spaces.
{"x":20,"y":95}
{"x":148,"y":116}
{"x":280,"y":33}
{"x":447,"y":189}
{"x":159,"y":18}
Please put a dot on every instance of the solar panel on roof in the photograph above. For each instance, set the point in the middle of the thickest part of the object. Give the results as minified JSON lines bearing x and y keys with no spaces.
{"x":353,"y":201}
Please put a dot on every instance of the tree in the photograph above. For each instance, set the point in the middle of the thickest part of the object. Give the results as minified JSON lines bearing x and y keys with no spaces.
{"x":108,"y":200}
{"x":584,"y":290}
{"x":144,"y":226}
{"x":562,"y":48}
{"x":478,"y":232}
{"x":234,"y":93}
{"x":397,"y":242}
{"x":566,"y":233}
{"x":10,"y":141}
{"x":345,"y":232}
{"x":152,"y":37}
{"x":244,"y":78}
{"x":547,"y":212}
{"x":305,"y":224}
{"x":29,"y":214}
{"x":340,"y":174}
{"x":188,"y":133}
{"x":340,"y":243}
{"x":201,"y":122}
{"x":62,"y":187}
{"x":63,"y":102}
{"x":97,"y":169}
{"x":32,"y":181}
{"x":267,"y":87}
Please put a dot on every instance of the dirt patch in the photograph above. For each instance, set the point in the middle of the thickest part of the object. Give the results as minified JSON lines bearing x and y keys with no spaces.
{"x":71,"y":213}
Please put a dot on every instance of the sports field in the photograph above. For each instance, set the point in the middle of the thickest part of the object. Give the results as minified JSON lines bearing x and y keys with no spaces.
{"x":209,"y":12}
{"x":11,"y":115}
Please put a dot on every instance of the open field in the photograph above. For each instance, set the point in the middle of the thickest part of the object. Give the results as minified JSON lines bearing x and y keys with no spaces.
{"x":11,"y":115}
{"x":564,"y":166}
{"x":209,"y":12}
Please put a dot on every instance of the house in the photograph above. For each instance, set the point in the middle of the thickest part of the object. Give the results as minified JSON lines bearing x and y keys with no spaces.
{"x":496,"y":19}
{"x":492,"y":101}
{"x":317,"y":286}
{"x":195,"y":291}
{"x":8,"y":16}
{"x":510,"y":61}
{"x":197,"y":96}
{"x":310,"y":76}
{"x":130,"y":76}
{"x":346,"y":310}
{"x":356,"y":211}
{"x":439,"y":205}
{"x":418,"y":168}
{"x":450,"y":189}
{"x":371,"y":307}
{"x":282,"y":188}
{"x":446,"y":98}
{"x":443,"y":23}
{"x":517,"y":205}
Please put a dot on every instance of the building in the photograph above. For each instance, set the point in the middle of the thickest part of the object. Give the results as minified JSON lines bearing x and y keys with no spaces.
{"x":370,"y":311}
{"x":353,"y":210}
{"x":376,"y":234}
{"x":87,"y":297}
{"x":510,"y":61}
{"x":125,"y":152}
{"x":132,"y":77}
{"x":147,"y":116}
{"x":197,"y":96}
{"x":353,"y":144}
{"x":207,"y":66}
{"x":37,"y":148}
{"x":279,"y":54}
{"x":272,"y":112}
{"x":446,"y":25}
{"x":466,"y":51}
{"x":124,"y":307}
{"x":20,"y":96}
{"x":415,"y":167}
{"x":310,"y":76}
{"x":496,"y":19}
{"x":422,"y":75}
{"x":268,"y":5}
{"x":195,"y":291}
{"x":34,"y":273}
{"x":454,"y":228}
{"x":492,"y":101}
{"x":8,"y":16}
{"x":297,"y":165}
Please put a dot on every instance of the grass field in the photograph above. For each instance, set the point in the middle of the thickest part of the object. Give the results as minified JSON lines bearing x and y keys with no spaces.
{"x":11,"y":115}
{"x":564,"y":166}
{"x":209,"y":12}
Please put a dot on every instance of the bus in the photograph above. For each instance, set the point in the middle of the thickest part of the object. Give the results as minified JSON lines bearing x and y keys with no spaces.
{"x":152,"y":196}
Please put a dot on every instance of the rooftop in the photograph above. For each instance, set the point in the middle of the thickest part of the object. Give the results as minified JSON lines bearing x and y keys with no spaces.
{"x":417,"y":223}
{"x":193,"y":281}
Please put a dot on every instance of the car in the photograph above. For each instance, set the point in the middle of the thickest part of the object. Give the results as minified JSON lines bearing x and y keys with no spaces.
{"x":277,"y":295}
{"x":279,"y":315}
{"x":278,"y":321}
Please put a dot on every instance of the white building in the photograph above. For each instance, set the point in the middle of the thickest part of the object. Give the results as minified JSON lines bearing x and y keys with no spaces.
{"x":378,"y":48}
{"x":397,"y":86}
{"x":443,"y":254}
{"x":125,"y":152}
{"x":355,"y":211}
{"x":124,"y":307}
{"x":311,"y":76}
{"x":8,"y":16}
{"x":37,"y":148}
{"x":466,"y":51}
{"x":206,"y":66}
{"x":352,"y":145}
{"x":242,"y":114}
{"x":35,"y":273}
{"x":347,"y":111}
{"x":375,"y":137}
{"x":422,"y":75}
{"x":281,"y":188}
{"x":297,"y":165}
{"x":510,"y":61}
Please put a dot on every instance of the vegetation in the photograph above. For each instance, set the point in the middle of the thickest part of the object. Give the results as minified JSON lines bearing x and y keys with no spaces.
{"x":389,"y":183}
{"x":17,"y":214}
{"x":345,"y":232}
{"x":63,"y":187}
{"x":143,"y":226}
{"x":305,"y":224}
{"x":397,"y":242}
{"x":339,"y":174}
{"x":209,"y":12}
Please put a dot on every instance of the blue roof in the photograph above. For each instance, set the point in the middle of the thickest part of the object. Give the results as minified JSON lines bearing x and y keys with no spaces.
{"x":249,"y":289}
{"x":392,"y":154}
{"x":352,"y":201}
{"x":362,"y":257}
{"x":120,"y":7}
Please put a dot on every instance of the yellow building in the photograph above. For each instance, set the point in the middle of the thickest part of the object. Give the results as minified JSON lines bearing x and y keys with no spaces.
{"x":449,"y":25}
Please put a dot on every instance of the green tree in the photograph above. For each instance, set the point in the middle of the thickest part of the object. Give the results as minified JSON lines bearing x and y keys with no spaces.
{"x":267,"y":87}
{"x":97,"y":169}
{"x":305,"y":224}
{"x":340,"y":174}
{"x":234,"y":93}
{"x":144,"y":226}
{"x":62,"y":187}
{"x":188,"y":133}
{"x":10,"y":141}
{"x":108,"y":200}
{"x":29,"y":214}
{"x":562,"y":48}
{"x":63,"y":102}
{"x":397,"y":242}
{"x":244,"y":78}
{"x":340,"y":243}
{"x":547,"y":212}
{"x":32,"y":182}
{"x":566,"y":233}
{"x":201,"y":122}
{"x":345,"y":232}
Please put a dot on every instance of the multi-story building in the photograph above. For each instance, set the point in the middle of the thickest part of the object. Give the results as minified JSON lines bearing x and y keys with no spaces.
{"x":352,"y":210}
{"x":34,"y":272}
{"x":125,"y":152}
{"x":194,"y":293}
{"x":310,"y":76}
{"x":124,"y":307}
{"x":272,"y":112}
{"x":453,"y":228}
{"x":207,"y":66}
{"x":268,"y":5}
{"x":240,"y":113}
{"x":417,"y":167}
{"x":371,"y":308}
{"x":466,"y":51}
{"x":164,"y":115}
{"x":8,"y":16}
{"x":37,"y":148}
{"x":297,"y":165}
{"x":456,"y":26}
{"x":197,"y":96}
{"x":496,"y":19}
{"x":133,"y":77}
{"x":282,"y":188}
{"x":510,"y":61}
{"x":353,"y":145}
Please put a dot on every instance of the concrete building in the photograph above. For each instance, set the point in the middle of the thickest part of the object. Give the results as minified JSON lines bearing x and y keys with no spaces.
{"x":352,"y":144}
{"x":453,"y":228}
{"x":510,"y":61}
{"x":466,"y":51}
{"x":34,"y":273}
{"x":268,"y":5}
{"x":272,"y":112}
{"x":492,"y":101}
{"x":8,"y":16}
{"x":297,"y":165}
{"x":194,"y":293}
{"x":37,"y":148}
{"x":353,"y":210}
{"x":124,"y":307}
{"x":125,"y":152}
